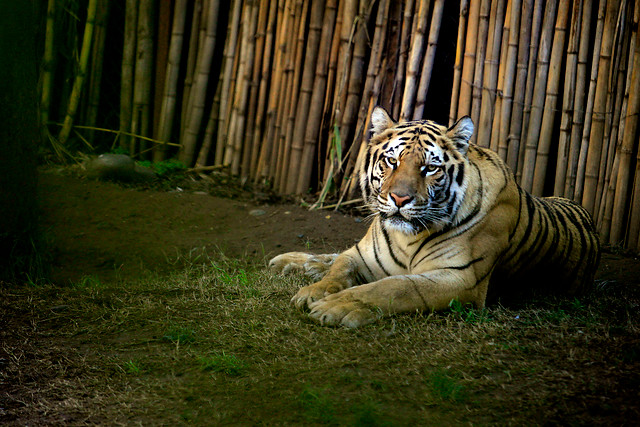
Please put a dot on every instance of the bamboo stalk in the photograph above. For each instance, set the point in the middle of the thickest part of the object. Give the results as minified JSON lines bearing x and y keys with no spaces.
{"x":515,"y":127}
{"x":74,"y":99}
{"x":568,"y":100}
{"x":240,"y":106}
{"x":457,"y":68}
{"x":47,"y":70}
{"x":192,"y":56}
{"x":629,"y":140}
{"x":306,"y":88}
{"x":491,"y":69}
{"x":579,"y":100}
{"x":201,"y":80}
{"x":536,"y":27}
{"x":535,"y":119}
{"x":128,"y":61}
{"x":468,"y":63}
{"x":229,"y":54}
{"x":97,"y":60}
{"x":163,"y":40}
{"x":169,"y":93}
{"x":251,"y":143}
{"x":388,"y":86}
{"x":210,"y":130}
{"x":551,"y":99}
{"x":495,"y":125}
{"x":312,"y":129}
{"x":407,"y":18}
{"x":478,"y":74}
{"x":413,"y":64}
{"x":265,"y":76}
{"x":427,"y":65}
{"x":509,"y":78}
{"x":599,"y":109}
{"x":584,"y":145}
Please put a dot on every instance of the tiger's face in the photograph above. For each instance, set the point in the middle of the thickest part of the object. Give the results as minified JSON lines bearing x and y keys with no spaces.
{"x":414,"y":173}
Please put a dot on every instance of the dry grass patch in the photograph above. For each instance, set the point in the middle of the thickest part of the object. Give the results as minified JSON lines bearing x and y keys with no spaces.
{"x":219,"y":343}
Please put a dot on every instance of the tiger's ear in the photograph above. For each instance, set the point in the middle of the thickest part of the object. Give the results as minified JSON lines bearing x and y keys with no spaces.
{"x":460,"y":133}
{"x":380,"y":120}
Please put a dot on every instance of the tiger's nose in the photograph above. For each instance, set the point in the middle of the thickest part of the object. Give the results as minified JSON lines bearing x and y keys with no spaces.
{"x":400,"y":201}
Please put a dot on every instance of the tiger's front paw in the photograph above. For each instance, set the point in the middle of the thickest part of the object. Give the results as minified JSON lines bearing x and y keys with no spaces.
{"x":342,"y":309}
{"x":289,"y":263}
{"x":315,"y":292}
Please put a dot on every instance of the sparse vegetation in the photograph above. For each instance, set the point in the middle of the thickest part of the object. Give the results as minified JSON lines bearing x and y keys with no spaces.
{"x":194,"y":346}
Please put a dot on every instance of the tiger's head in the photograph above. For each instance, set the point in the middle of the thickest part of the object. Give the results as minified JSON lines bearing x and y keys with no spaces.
{"x":414,"y":172}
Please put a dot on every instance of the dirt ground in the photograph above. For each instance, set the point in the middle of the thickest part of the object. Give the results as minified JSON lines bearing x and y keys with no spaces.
{"x":103,"y":229}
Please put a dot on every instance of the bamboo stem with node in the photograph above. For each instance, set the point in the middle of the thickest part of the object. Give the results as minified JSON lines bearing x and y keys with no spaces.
{"x":429,"y":57}
{"x":599,"y":109}
{"x":74,"y":98}
{"x":413,"y":64}
{"x":577,"y":121}
{"x":515,"y":127}
{"x":407,"y":18}
{"x":97,"y":61}
{"x":251,"y":144}
{"x":47,"y":70}
{"x":568,"y":99}
{"x":468,"y":63}
{"x":192,"y":56}
{"x":537,"y":106}
{"x":314,"y":118}
{"x":504,"y":47}
{"x":551,"y":99}
{"x":509,"y":78}
{"x":536,"y":27}
{"x":478,"y":73}
{"x":584,"y":144}
{"x":128,"y":61}
{"x":457,"y":68}
{"x":491,"y":69}
{"x":306,"y":88}
{"x":229,"y":53}
{"x":629,"y":140}
{"x":169,"y":93}
{"x":163,"y":42}
{"x":201,"y":81}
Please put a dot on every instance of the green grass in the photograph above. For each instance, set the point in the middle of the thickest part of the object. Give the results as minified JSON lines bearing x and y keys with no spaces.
{"x":216,"y":342}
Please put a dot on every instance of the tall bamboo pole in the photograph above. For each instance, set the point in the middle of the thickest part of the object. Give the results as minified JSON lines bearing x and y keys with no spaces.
{"x":306,"y":88}
{"x":407,"y":18}
{"x":168,"y":106}
{"x":457,"y":68}
{"x":468,"y":64}
{"x":571,"y":69}
{"x":311,"y":132}
{"x":551,"y":99}
{"x":579,"y":100}
{"x":495,"y":143}
{"x":163,"y":41}
{"x":491,"y":69}
{"x":47,"y":69}
{"x":229,"y":53}
{"x":509,"y":78}
{"x":429,"y":56}
{"x":533,"y":132}
{"x":599,"y":109}
{"x":534,"y":45}
{"x":413,"y":64}
{"x":578,"y":185}
{"x":192,"y":56}
{"x":478,"y":73}
{"x":74,"y":99}
{"x":629,"y":140}
{"x":524,"y":42}
{"x":201,"y":81}
{"x":128,"y":63}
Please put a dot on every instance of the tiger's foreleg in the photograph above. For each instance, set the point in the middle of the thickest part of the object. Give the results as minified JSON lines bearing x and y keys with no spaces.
{"x":364,"y":304}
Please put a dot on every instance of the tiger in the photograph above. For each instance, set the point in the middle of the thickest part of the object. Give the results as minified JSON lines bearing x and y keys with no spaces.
{"x":449,"y":222}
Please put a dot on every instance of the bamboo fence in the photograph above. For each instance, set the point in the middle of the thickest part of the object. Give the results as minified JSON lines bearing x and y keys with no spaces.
{"x":281,"y":91}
